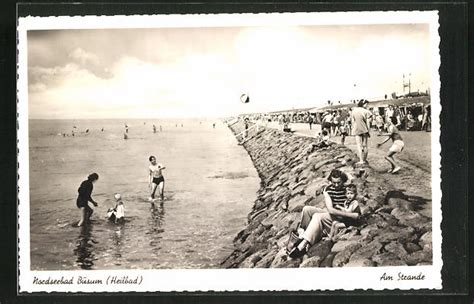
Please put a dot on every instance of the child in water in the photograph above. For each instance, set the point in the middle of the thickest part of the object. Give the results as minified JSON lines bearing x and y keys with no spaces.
{"x":350,"y":205}
{"x":117,"y":214}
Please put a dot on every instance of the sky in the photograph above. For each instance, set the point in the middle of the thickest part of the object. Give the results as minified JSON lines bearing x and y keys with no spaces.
{"x":202,"y":72}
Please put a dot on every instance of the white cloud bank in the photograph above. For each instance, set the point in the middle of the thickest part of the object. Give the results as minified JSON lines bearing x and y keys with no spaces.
{"x":280,"y":68}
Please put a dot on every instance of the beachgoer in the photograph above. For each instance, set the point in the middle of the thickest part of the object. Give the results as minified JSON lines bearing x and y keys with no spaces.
{"x":214,"y":125}
{"x":316,"y":222}
{"x":154,"y":129}
{"x":161,"y":129}
{"x":396,"y":147}
{"x":343,"y":130}
{"x":335,"y":123}
{"x":156,"y":179}
{"x":126,"y":128}
{"x":310,"y":121}
{"x":84,"y":197}
{"x":360,"y":118}
{"x":327,"y":121}
{"x":350,"y":205}
{"x":117,"y":213}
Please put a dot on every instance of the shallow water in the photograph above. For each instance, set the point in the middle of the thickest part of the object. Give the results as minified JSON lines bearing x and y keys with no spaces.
{"x":210,"y":187}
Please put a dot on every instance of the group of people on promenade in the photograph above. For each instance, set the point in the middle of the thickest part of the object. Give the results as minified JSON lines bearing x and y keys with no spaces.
{"x":156,"y":181}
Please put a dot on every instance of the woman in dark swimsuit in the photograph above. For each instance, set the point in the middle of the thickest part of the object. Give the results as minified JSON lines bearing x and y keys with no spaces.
{"x":84,"y":197}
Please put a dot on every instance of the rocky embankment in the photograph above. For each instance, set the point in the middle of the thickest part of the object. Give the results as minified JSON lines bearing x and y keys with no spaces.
{"x":293,"y":176}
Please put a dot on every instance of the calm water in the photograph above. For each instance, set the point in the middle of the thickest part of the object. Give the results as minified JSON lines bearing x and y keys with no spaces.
{"x":210,"y":187}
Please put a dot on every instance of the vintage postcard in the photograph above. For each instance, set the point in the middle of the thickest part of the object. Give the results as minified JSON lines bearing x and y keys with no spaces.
{"x":229,"y":152}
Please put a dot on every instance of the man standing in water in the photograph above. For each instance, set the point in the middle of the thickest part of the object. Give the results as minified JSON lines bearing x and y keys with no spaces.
{"x":84,"y":197}
{"x":156,"y":179}
{"x":360,"y":120}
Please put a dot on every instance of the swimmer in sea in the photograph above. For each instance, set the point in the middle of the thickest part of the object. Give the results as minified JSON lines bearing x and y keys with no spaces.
{"x":156,"y":179}
{"x":84,"y":197}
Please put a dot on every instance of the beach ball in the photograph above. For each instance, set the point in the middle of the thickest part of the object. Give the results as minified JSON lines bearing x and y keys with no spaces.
{"x":244,"y":98}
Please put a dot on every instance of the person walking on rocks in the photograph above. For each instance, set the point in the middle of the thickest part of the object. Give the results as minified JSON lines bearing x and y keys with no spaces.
{"x":316,"y":222}
{"x":360,"y":118}
{"x":396,"y":147}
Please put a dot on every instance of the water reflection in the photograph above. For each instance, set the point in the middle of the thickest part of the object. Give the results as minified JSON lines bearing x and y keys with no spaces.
{"x":157,"y":215}
{"x":84,"y":248}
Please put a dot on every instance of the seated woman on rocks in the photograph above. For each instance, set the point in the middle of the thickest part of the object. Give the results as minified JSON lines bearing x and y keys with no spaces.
{"x":316,"y":221}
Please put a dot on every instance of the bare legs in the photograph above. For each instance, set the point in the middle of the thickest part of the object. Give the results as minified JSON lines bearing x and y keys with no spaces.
{"x":395,"y":167}
{"x":362,"y":146}
{"x":86,"y":213}
{"x":161,"y":189}
{"x":83,"y":216}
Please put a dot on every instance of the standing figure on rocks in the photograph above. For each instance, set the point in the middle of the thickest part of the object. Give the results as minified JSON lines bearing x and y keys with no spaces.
{"x":396,"y":147}
{"x":316,"y":222}
{"x":156,"y":179}
{"x":360,"y":118}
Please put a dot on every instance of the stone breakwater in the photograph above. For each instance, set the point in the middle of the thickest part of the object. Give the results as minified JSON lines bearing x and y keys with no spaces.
{"x":292,"y":176}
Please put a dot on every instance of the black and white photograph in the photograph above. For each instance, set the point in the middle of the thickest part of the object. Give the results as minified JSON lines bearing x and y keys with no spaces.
{"x":225,"y":152}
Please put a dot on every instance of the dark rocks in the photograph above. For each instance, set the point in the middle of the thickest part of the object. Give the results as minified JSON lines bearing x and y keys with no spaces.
{"x":411,"y":247}
{"x":321,"y":249}
{"x":391,"y":232}
{"x":297,"y":203}
{"x":367,"y":251}
{"x":343,"y":256}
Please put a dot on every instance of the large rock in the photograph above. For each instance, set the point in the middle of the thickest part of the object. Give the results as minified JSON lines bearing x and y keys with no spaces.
{"x":367,"y":251}
{"x":426,"y":241}
{"x":314,"y":261}
{"x":297,"y":203}
{"x":266,"y":260}
{"x":327,"y":262}
{"x":282,"y":260}
{"x":360,"y":262}
{"x":321,"y":249}
{"x":402,"y":234}
{"x":314,"y":186}
{"x":397,"y":249}
{"x":388,"y":259}
{"x":417,"y":257}
{"x":343,"y":256}
{"x":412,"y":247}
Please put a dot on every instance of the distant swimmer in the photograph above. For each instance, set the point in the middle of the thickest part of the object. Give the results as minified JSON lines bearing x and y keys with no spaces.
{"x":181,"y":125}
{"x":125,"y":136}
{"x":84,"y":197}
{"x":126,"y":128}
{"x":87,"y":130}
{"x":102,"y":130}
{"x":214,"y":125}
{"x":161,"y":129}
{"x":154,"y":129}
{"x":156,"y":179}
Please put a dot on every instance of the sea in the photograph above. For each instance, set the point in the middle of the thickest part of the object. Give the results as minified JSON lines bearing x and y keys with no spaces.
{"x":210,"y":187}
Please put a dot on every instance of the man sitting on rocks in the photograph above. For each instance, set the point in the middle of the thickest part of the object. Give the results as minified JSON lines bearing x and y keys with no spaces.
{"x":316,"y":222}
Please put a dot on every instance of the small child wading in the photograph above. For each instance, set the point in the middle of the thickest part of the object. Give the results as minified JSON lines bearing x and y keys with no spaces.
{"x":117,"y":214}
{"x":396,"y":147}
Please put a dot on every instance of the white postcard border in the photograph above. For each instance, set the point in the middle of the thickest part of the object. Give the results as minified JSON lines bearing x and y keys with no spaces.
{"x":307,"y":279}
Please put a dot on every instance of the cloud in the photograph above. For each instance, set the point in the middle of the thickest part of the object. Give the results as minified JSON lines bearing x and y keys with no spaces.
{"x":84,"y":57}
